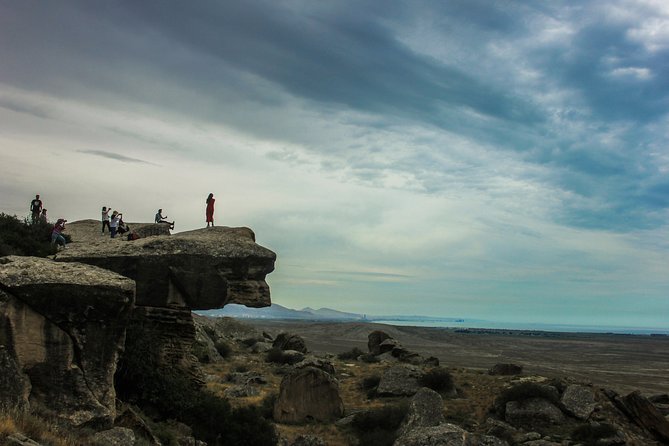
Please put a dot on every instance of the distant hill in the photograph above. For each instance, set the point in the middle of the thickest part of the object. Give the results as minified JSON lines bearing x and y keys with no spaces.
{"x":276,"y":311}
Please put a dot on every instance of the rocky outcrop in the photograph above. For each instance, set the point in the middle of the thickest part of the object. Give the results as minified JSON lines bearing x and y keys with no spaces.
{"x":445,"y":434}
{"x":199,"y":270}
{"x":533,"y":412}
{"x":645,"y":414}
{"x":174,"y":274}
{"x":62,"y":329}
{"x":308,"y":394}
{"x":374,"y":340}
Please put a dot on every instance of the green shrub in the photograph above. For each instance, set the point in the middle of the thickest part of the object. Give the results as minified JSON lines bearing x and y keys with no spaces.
{"x":438,"y":379}
{"x":589,"y":434}
{"x":26,"y":239}
{"x":369,"y":358}
{"x":379,"y":427}
{"x":370,"y":384}
{"x":171,"y":393}
{"x":354,"y":353}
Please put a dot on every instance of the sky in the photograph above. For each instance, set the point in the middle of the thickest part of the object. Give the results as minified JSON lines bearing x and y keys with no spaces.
{"x":499,"y":160}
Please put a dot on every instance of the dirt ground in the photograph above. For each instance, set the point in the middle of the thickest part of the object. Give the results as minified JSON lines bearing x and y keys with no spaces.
{"x":620,"y":362}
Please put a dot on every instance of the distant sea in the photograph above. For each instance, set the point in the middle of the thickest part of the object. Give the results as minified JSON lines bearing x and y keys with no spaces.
{"x":564,"y":328}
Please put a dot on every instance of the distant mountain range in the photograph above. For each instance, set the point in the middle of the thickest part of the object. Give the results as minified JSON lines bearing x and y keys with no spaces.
{"x":276,"y":311}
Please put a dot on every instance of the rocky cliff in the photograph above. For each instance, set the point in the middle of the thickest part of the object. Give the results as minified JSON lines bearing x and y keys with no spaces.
{"x":63,"y":323}
{"x":62,"y":328}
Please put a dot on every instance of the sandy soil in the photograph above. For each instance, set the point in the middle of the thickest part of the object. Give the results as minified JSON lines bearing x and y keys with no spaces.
{"x":620,"y":362}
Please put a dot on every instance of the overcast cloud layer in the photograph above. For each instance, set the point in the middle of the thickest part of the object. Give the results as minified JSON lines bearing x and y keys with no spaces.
{"x":496,"y":160}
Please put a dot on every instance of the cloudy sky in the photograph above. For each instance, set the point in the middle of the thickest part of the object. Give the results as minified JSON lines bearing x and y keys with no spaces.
{"x":502,"y":160}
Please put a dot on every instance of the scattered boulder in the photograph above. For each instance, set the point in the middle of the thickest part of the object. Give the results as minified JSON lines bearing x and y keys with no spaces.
{"x":308,"y":394}
{"x":400,"y":380}
{"x":579,"y":401}
{"x":374,"y":340}
{"x":533,"y":412}
{"x":431,"y":362}
{"x":289,"y":341}
{"x":388,"y":345}
{"x":425,"y":409}
{"x":18,"y":439}
{"x":505,"y":369}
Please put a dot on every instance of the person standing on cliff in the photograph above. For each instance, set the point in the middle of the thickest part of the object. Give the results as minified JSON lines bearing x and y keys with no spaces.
{"x":210,"y":210}
{"x":105,"y":219}
{"x":35,"y":209}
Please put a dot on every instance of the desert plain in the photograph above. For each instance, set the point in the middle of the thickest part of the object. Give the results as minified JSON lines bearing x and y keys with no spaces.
{"x":623,"y":363}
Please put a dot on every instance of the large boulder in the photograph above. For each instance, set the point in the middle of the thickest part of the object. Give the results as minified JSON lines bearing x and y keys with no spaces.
{"x":401,"y":380}
{"x":62,"y":326}
{"x":290,"y":341}
{"x":374,"y":340}
{"x":308,"y":394}
{"x":645,"y":414}
{"x":426,"y":409}
{"x":579,"y":401}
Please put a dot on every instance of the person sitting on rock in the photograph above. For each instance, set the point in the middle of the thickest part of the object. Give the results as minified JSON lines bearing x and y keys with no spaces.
{"x":56,"y":233}
{"x":160,"y":219}
{"x":122,"y":227}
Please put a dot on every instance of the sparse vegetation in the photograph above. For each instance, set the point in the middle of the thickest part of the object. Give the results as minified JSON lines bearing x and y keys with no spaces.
{"x":173,"y":395}
{"x":22,"y":238}
{"x":278,"y":356}
{"x":379,"y":426}
{"x":36,"y":428}
{"x":369,"y":385}
{"x":590,"y":434}
{"x":352,"y":354}
{"x":438,"y":379}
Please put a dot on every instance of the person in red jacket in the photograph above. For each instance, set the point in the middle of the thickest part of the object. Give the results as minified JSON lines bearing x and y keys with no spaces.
{"x":210,"y":209}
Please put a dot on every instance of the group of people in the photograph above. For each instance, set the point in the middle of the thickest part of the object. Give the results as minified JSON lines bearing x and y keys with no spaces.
{"x":114,"y":222}
{"x":38,"y":215}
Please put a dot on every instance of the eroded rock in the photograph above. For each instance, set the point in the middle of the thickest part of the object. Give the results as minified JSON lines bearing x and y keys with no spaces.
{"x":426,"y":409}
{"x":400,"y":381}
{"x":65,"y":326}
{"x":308,"y":394}
{"x":579,"y":401}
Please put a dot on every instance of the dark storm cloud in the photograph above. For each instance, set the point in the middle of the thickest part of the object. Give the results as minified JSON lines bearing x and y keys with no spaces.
{"x":227,"y":61}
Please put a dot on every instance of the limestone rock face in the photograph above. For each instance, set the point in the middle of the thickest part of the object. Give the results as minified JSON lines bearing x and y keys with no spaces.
{"x":63,"y":327}
{"x":308,"y":394}
{"x":202,"y":269}
{"x":445,"y":434}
